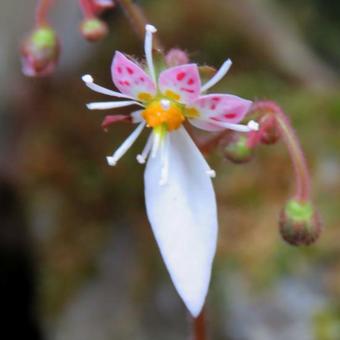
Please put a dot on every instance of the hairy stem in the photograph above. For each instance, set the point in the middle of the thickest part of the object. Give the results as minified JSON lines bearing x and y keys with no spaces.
{"x":137,"y":20}
{"x":289,"y":137}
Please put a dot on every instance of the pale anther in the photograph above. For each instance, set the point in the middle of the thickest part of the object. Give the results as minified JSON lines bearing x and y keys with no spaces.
{"x":111,"y":161}
{"x":140,"y":159}
{"x":211,"y":173}
{"x":254,"y":126}
{"x":87,"y":78}
{"x":150,"y":28}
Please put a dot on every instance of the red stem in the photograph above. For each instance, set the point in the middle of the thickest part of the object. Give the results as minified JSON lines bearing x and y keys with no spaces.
{"x":199,"y":328}
{"x":289,"y":137}
{"x":87,"y":8}
{"x":41,"y":12}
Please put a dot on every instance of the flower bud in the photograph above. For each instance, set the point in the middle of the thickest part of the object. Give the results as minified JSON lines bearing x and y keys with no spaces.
{"x":93,"y":29}
{"x":176,"y":57}
{"x":40,"y":52}
{"x":270,"y":132}
{"x":235,"y":148}
{"x":299,"y":223}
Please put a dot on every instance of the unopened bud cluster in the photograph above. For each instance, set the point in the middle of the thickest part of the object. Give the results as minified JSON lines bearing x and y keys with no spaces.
{"x":40,"y":50}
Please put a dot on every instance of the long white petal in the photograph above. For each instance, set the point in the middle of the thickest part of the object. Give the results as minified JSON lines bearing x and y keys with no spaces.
{"x":218,"y":76}
{"x":183,"y":217}
{"x":110,"y":105}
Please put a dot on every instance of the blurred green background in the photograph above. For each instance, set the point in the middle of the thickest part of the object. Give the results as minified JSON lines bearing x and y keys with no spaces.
{"x":78,"y":260}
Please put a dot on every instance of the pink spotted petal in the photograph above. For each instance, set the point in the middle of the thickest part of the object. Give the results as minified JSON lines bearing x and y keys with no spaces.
{"x":183,"y":81}
{"x":130,"y":79}
{"x":222,"y":107}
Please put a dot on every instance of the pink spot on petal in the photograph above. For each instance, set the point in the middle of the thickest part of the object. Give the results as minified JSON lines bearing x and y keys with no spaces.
{"x":187,"y":90}
{"x":213,"y":106}
{"x":190,"y":81}
{"x":130,"y":70}
{"x":119,"y":70}
{"x":216,"y":99}
{"x":126,"y":83}
{"x":180,"y":76}
{"x":230,"y":115}
{"x":142,"y":79}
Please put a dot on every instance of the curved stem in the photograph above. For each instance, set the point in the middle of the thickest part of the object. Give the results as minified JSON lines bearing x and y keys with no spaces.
{"x":87,"y":8}
{"x":199,"y":327}
{"x":289,"y":137}
{"x":137,"y":20}
{"x":41,"y":12}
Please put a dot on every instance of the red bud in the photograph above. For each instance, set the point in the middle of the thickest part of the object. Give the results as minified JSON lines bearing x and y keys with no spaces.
{"x":40,"y":52}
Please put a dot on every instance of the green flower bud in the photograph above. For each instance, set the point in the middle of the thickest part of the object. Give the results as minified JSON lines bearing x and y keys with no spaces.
{"x":236,"y":149}
{"x":299,"y":223}
{"x":40,"y":52}
{"x":93,"y":29}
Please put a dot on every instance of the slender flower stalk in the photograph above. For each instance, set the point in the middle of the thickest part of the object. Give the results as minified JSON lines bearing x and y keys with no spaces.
{"x":302,"y":178}
{"x":199,"y":327}
{"x":41,"y":12}
{"x":87,"y":8}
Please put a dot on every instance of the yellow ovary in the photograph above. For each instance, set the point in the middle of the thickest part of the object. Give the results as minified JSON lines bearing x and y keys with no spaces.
{"x":163,"y":112}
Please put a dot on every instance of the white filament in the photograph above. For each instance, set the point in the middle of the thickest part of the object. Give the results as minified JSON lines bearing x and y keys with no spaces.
{"x":137,"y":116}
{"x":156,"y":143}
{"x":165,"y":161}
{"x":141,"y":158}
{"x":111,"y":105}
{"x":88,"y":80}
{"x":218,"y":76}
{"x":112,"y":160}
{"x":251,"y":126}
{"x":150,"y":30}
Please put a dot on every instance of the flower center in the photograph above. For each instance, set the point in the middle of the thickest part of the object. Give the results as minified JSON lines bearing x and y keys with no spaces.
{"x":163,"y":112}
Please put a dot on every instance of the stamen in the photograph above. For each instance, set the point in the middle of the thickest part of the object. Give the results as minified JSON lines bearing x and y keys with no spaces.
{"x":165,"y":161}
{"x":165,"y":103}
{"x":112,"y":160}
{"x":218,"y":76}
{"x":235,"y":127}
{"x":150,"y":30}
{"x":88,"y":80}
{"x":141,"y":158}
{"x":111,"y":105}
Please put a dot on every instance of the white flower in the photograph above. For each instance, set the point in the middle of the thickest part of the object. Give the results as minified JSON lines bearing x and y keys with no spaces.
{"x":180,"y":199}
